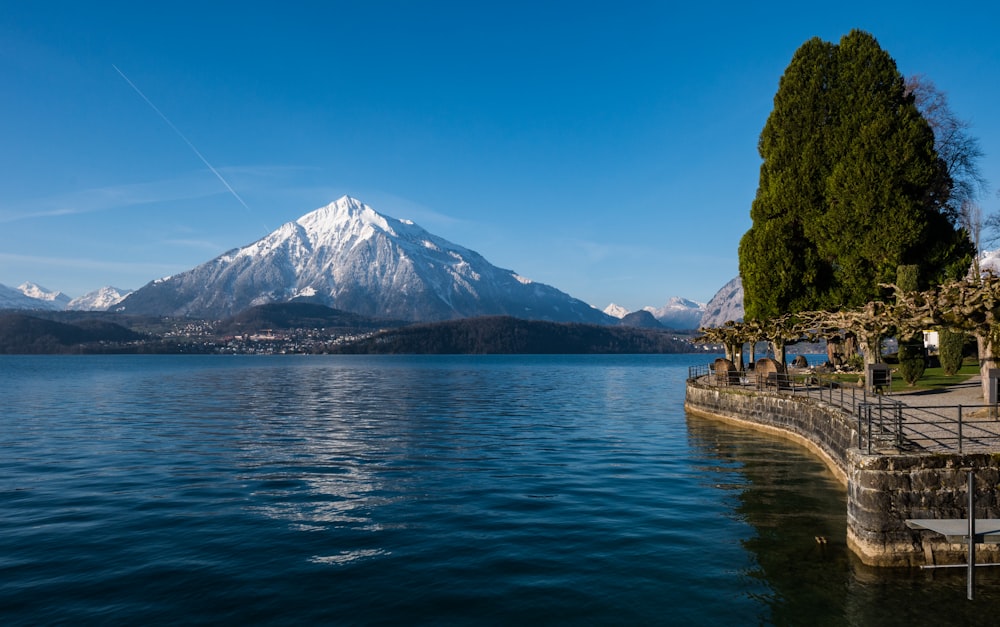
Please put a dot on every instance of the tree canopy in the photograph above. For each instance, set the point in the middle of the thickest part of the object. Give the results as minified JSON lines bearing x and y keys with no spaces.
{"x":850,"y":186}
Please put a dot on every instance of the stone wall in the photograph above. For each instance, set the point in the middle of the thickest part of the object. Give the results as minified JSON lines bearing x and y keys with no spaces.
{"x":883,"y":490}
{"x":824,"y":429}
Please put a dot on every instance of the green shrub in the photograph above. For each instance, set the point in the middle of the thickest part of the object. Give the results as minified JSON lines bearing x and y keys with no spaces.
{"x":912,"y":361}
{"x":950,"y":345}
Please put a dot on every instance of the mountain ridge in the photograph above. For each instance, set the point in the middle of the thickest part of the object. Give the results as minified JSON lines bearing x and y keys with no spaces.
{"x":348,"y":256}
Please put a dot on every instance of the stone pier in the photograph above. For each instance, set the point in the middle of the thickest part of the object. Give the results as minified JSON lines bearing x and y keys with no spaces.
{"x":883,"y":489}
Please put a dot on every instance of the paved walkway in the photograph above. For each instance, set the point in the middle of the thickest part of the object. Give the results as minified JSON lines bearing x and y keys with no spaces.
{"x":969,"y":392}
{"x":951,"y":419}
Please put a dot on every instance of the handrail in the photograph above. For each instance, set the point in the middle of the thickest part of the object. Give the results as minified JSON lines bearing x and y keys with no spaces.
{"x":884,"y":424}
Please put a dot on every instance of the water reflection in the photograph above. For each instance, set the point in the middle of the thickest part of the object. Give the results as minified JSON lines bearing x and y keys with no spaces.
{"x":798,"y":512}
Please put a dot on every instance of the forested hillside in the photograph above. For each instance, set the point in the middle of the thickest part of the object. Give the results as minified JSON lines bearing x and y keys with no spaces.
{"x":506,"y":335}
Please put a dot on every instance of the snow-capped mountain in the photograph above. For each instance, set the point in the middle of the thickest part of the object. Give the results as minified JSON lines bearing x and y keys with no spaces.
{"x":616,"y":311}
{"x":347,"y":255}
{"x":727,"y":304}
{"x":49,"y":299}
{"x":31,"y":296}
{"x":98,"y":300}
{"x":11,"y":298}
{"x":678,"y":313}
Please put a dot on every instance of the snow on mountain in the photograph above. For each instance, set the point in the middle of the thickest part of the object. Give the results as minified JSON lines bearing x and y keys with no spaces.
{"x":726,"y":305}
{"x":616,"y":311}
{"x":98,"y":300}
{"x":347,"y":255}
{"x":11,"y":298}
{"x":678,"y":313}
{"x":49,"y":299}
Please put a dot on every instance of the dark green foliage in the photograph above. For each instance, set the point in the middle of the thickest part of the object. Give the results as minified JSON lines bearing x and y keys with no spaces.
{"x":907,"y":278}
{"x":24,"y":334}
{"x":950,"y":349}
{"x":912,"y":361}
{"x":505,"y":335}
{"x":850,"y":186}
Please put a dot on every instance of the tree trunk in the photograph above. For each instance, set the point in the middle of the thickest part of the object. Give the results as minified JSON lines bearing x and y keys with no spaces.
{"x":850,"y":346}
{"x":738,"y":354}
{"x":834,"y":351}
{"x":870,"y":350}
{"x":779,"y":351}
{"x":988,"y":359}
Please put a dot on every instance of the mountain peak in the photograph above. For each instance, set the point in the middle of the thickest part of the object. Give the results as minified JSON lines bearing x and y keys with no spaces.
{"x":727,"y":304}
{"x":98,"y":300}
{"x":33,"y":290}
{"x":346,"y":211}
{"x":616,"y":311}
{"x":678,"y":313}
{"x":348,"y":256}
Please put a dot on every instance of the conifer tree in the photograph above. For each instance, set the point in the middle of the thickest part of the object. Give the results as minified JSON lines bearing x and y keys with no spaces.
{"x":850,"y":186}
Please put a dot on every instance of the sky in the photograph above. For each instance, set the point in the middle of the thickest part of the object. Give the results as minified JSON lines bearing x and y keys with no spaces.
{"x":608,"y":149}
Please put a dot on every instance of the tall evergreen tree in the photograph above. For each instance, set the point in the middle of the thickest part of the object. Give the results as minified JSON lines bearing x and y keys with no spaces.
{"x":850,"y":186}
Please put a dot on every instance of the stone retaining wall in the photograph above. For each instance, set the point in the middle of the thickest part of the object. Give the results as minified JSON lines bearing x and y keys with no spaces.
{"x":883,"y":490}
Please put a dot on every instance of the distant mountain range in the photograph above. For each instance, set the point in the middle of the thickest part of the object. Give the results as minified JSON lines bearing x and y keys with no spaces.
{"x":98,"y":300}
{"x":348,"y":256}
{"x":683,"y":314}
{"x":35,"y":297}
{"x":31,"y":296}
{"x":678,"y":313}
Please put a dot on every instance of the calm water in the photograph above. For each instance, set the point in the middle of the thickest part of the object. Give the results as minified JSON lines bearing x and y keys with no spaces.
{"x":419,"y":490}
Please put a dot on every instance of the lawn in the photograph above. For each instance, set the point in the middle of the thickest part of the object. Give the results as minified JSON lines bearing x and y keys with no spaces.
{"x":933,"y":378}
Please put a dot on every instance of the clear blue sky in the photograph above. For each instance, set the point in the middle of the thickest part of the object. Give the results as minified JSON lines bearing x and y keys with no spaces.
{"x":606,"y":148}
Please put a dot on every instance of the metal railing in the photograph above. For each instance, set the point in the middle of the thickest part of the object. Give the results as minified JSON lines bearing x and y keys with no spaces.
{"x":885,"y":425}
{"x":892,"y":426}
{"x":826,"y":389}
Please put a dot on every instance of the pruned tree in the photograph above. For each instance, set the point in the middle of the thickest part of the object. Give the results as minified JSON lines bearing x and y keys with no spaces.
{"x":870,"y":323}
{"x":731,"y":335}
{"x":969,"y":305}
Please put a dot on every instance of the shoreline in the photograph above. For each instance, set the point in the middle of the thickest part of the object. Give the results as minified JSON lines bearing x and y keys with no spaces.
{"x":885,"y":487}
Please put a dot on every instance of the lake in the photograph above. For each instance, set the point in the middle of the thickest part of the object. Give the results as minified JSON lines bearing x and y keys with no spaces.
{"x":420,"y":490}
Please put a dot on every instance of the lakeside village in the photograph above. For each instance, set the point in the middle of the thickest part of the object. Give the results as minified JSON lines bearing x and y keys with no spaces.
{"x":303,"y":328}
{"x":202,"y":336}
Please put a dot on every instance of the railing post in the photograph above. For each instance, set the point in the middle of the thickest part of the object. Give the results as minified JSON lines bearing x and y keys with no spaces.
{"x":899,"y":425}
{"x":960,"y":429}
{"x":860,"y":426}
{"x":881,"y":416}
{"x":869,"y":408}
{"x":971,"y":572}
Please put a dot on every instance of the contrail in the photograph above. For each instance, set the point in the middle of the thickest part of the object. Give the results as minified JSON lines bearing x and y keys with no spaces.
{"x":181,"y":135}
